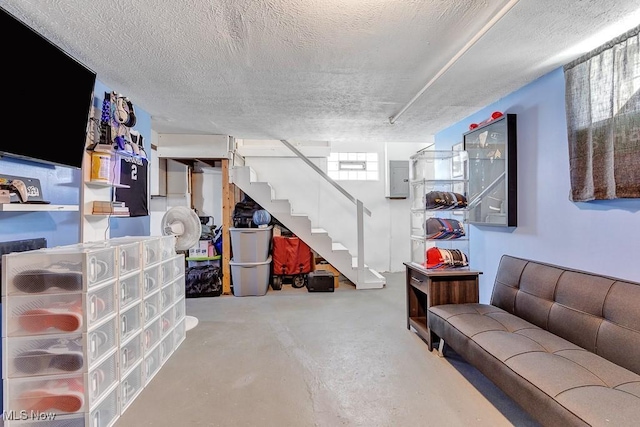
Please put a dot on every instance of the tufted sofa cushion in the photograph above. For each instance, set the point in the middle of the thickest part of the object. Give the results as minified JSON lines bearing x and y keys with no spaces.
{"x":564,"y":344}
{"x":563,"y":371}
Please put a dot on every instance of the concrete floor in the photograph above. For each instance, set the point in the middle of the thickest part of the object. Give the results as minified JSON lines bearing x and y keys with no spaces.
{"x":293,"y":358}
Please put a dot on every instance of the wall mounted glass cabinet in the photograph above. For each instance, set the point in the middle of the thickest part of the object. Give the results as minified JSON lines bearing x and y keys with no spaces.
{"x":492,"y":173}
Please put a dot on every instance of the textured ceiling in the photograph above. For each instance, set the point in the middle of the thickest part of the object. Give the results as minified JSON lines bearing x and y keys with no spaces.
{"x":331,"y":70}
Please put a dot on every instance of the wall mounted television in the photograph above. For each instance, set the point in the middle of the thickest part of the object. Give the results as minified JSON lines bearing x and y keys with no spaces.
{"x":47,"y":96}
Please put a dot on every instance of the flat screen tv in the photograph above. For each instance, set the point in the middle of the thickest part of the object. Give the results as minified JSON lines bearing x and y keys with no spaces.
{"x":47,"y":98}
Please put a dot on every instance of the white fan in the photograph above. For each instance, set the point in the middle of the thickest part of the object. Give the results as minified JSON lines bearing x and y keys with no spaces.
{"x":184,"y":223}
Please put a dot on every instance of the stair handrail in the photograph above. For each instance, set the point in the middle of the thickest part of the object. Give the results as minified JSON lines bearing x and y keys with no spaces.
{"x":323,"y":174}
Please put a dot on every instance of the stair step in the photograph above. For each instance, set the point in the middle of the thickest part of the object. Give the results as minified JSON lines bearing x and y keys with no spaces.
{"x":338,"y":247}
{"x":319,"y":231}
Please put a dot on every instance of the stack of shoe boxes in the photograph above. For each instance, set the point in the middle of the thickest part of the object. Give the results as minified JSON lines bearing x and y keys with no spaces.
{"x":86,"y":327}
{"x":60,"y":336}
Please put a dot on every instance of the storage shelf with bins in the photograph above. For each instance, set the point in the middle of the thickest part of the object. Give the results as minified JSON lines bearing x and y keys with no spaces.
{"x":436,"y":171}
{"x":87,"y":308}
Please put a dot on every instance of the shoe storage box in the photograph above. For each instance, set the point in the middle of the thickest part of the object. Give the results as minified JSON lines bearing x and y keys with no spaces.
{"x":86,"y":326}
{"x":320,"y":281}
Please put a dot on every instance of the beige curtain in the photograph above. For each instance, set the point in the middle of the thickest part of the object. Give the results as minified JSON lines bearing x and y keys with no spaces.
{"x":603,"y":120}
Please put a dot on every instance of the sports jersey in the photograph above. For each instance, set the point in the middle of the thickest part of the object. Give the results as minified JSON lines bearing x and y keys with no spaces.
{"x":133,"y":172}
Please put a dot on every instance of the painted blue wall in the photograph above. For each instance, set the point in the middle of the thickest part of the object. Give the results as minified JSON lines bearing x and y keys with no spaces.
{"x":598,"y":236}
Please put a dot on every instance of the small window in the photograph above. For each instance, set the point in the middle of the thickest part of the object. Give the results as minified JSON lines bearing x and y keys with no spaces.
{"x":353,"y":166}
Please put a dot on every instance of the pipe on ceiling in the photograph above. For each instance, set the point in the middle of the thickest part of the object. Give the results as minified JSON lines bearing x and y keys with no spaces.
{"x":457,"y":56}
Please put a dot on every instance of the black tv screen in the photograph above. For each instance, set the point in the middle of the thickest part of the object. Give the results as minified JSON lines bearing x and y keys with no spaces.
{"x":47,"y":98}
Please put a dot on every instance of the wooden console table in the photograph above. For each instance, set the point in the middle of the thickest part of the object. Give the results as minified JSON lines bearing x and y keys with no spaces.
{"x":426,"y":288}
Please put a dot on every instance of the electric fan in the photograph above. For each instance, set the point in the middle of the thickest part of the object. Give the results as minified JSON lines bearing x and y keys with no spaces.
{"x":184,"y":223}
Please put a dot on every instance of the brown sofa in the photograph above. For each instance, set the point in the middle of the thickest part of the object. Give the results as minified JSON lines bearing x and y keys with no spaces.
{"x":564,"y":344}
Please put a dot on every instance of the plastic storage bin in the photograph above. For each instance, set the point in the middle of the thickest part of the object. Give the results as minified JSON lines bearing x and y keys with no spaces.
{"x":250,"y":244}
{"x":57,"y":270}
{"x":250,"y":278}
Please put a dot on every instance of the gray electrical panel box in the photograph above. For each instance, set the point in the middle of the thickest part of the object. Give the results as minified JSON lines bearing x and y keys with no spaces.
{"x":398,"y":179}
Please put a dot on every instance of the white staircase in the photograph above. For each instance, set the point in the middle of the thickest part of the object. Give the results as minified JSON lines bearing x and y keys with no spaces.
{"x":318,"y":239}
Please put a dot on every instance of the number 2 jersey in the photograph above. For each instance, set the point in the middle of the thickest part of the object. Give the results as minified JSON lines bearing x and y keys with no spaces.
{"x":133,"y":172}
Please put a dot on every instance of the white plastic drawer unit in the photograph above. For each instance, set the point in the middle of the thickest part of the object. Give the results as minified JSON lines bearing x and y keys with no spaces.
{"x":167,"y":321}
{"x":151,"y":335}
{"x":58,"y":313}
{"x":167,"y":247}
{"x":151,"y":250}
{"x":167,"y":272}
{"x":178,"y":265}
{"x":101,"y":340}
{"x":166,"y":297}
{"x":57,"y":394}
{"x":179,"y":333}
{"x":57,"y":270}
{"x":57,"y":354}
{"x":130,"y":321}
{"x":106,"y":411}
{"x":151,"y":364}
{"x":179,"y":309}
{"x":131,"y":353}
{"x":179,"y":288}
{"x":101,"y":302}
{"x":151,"y":306}
{"x":151,"y":280}
{"x":130,"y":386}
{"x":44,"y":355}
{"x":129,"y":257}
{"x":43,"y":314}
{"x":129,"y":289}
{"x":101,"y":378}
{"x":166,"y":347}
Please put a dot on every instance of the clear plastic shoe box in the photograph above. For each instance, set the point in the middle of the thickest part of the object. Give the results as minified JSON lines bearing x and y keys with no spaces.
{"x":130,"y":289}
{"x":179,"y":333}
{"x":166,"y":297}
{"x":151,"y":280}
{"x":166,"y":347}
{"x":131,"y":385}
{"x":57,"y":354}
{"x":167,"y":321}
{"x":151,"y":306}
{"x":151,"y":364}
{"x":179,"y":287}
{"x":56,"y":270}
{"x":131,"y":353}
{"x":130,"y":321}
{"x":179,"y":309}
{"x":75,"y":322}
{"x":151,"y":335}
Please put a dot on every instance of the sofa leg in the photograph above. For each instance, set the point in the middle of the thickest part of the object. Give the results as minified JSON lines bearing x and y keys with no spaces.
{"x":441,"y":348}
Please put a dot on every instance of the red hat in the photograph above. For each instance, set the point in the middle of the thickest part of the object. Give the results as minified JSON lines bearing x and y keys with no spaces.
{"x":434,"y":258}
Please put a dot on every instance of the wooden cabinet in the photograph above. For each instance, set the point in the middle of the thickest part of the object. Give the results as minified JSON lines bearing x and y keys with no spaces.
{"x":426,"y":288}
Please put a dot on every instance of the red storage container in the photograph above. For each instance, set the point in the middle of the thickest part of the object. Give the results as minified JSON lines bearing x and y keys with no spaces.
{"x":291,"y":258}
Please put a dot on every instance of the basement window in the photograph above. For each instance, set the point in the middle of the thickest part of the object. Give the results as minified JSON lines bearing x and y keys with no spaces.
{"x":353,"y":166}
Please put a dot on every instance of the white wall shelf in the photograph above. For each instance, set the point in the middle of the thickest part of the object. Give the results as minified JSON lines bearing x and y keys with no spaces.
{"x":25,"y":207}
{"x":105,"y":184}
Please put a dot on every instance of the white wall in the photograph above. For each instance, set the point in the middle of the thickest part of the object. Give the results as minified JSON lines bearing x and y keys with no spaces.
{"x":386,"y":237}
{"x":600,"y":236}
{"x":207,"y":193}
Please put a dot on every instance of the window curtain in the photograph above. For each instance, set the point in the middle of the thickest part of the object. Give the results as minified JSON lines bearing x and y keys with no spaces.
{"x":603,"y":120}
